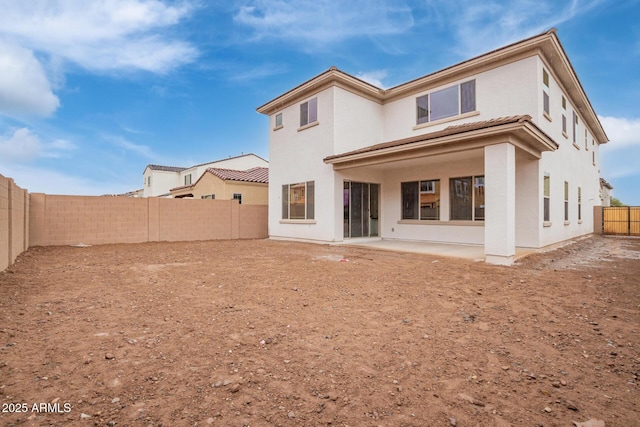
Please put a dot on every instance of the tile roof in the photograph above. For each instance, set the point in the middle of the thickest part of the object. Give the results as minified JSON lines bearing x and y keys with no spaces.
{"x":260,"y":175}
{"x":166,"y":168}
{"x":448,"y":131}
{"x":180,"y":169}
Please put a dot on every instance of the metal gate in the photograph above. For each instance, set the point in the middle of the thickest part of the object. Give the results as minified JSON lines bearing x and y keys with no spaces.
{"x":621,"y":221}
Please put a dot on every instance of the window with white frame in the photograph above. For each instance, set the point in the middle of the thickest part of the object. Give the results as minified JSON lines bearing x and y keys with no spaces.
{"x":586,"y":146}
{"x":149,"y":181}
{"x":547,"y":197}
{"x":187,"y":179}
{"x":545,"y":93}
{"x":298,"y":200}
{"x":575,"y":127}
{"x":564,"y":116}
{"x":579,"y":203}
{"x":309,"y":112}
{"x":466,"y":198}
{"x":447,"y":102}
{"x":421,"y":200}
{"x":566,"y":201}
{"x":278,"y":120}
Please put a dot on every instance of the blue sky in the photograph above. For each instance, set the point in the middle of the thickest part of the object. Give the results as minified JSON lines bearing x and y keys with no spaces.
{"x":93,"y":91}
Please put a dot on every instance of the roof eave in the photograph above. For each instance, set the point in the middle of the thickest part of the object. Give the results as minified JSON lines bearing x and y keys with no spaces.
{"x":523,"y":134}
{"x":332,"y":76}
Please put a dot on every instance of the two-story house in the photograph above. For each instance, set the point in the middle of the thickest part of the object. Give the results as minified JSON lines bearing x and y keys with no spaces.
{"x":250,"y":187}
{"x":159,"y":180}
{"x":500,"y":150}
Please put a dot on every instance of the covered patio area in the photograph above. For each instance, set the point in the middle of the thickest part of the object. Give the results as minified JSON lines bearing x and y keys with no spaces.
{"x":432,"y":189}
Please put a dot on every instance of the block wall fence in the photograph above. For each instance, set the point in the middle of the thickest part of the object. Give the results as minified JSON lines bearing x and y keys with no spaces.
{"x":14,"y":221}
{"x":39,"y":219}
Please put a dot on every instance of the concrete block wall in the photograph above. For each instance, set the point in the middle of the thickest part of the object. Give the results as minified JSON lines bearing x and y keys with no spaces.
{"x":14,"y":221}
{"x":67,"y":220}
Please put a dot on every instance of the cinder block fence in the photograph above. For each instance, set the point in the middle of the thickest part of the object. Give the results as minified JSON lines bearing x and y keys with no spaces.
{"x":39,"y":219}
{"x":14,"y":221}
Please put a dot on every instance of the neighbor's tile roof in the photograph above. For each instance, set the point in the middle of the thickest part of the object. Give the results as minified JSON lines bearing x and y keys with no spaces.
{"x":166,"y":168}
{"x":451,"y":130}
{"x":260,"y":175}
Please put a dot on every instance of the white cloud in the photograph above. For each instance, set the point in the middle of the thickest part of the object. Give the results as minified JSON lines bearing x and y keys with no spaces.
{"x":314,"y":23}
{"x":100,"y":35}
{"x":373,"y":77}
{"x":24,"y":87}
{"x":20,"y":146}
{"x":622,"y":132}
{"x":23,"y":146}
{"x":141,"y":150}
{"x":482,"y":26}
{"x":41,"y":180}
{"x":256,"y":73}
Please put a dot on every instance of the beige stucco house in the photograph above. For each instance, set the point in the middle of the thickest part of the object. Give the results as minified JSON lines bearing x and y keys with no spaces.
{"x":250,"y":187}
{"x":159,"y":179}
{"x":501,"y":151}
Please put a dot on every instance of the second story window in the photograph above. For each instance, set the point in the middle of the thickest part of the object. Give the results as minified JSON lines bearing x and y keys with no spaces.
{"x":309,"y":112}
{"x":187,"y":179}
{"x":545,"y":94}
{"x":278,"y":120}
{"x":564,"y":117}
{"x":448,"y":102}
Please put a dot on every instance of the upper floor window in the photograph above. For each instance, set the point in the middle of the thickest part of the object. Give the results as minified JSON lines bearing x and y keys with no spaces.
{"x":148,"y":181}
{"x":564,"y":117}
{"x":575,"y":127}
{"x":448,"y":102}
{"x":278,"y":120}
{"x":309,"y":112}
{"x":586,"y":146}
{"x":187,"y":179}
{"x":545,"y":93}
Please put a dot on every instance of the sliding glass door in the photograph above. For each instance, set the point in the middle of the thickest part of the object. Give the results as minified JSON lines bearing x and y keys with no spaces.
{"x":360,"y":202}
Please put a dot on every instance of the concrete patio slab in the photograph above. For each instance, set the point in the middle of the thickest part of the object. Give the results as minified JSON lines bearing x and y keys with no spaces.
{"x":472,"y":252}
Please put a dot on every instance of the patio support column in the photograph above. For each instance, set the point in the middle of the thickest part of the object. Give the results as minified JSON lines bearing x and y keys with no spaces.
{"x":500,"y":203}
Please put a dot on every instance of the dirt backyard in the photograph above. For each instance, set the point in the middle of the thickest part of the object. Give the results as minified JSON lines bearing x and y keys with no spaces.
{"x":267,"y":333}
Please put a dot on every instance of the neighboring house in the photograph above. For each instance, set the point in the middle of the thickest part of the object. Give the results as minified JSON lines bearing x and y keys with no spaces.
{"x":605,"y":192}
{"x":500,"y":150}
{"x":158,"y":180}
{"x":134,"y":193}
{"x":250,"y":187}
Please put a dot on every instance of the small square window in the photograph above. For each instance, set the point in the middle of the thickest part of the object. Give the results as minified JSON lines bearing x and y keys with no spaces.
{"x":545,"y":78}
{"x":238,"y":197}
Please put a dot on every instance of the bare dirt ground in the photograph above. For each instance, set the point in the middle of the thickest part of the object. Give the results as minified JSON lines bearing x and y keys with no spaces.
{"x":262,"y":333}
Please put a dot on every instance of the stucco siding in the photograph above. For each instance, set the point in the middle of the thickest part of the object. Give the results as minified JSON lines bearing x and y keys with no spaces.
{"x":296,"y":156}
{"x":505,"y":91}
{"x":358,"y":121}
